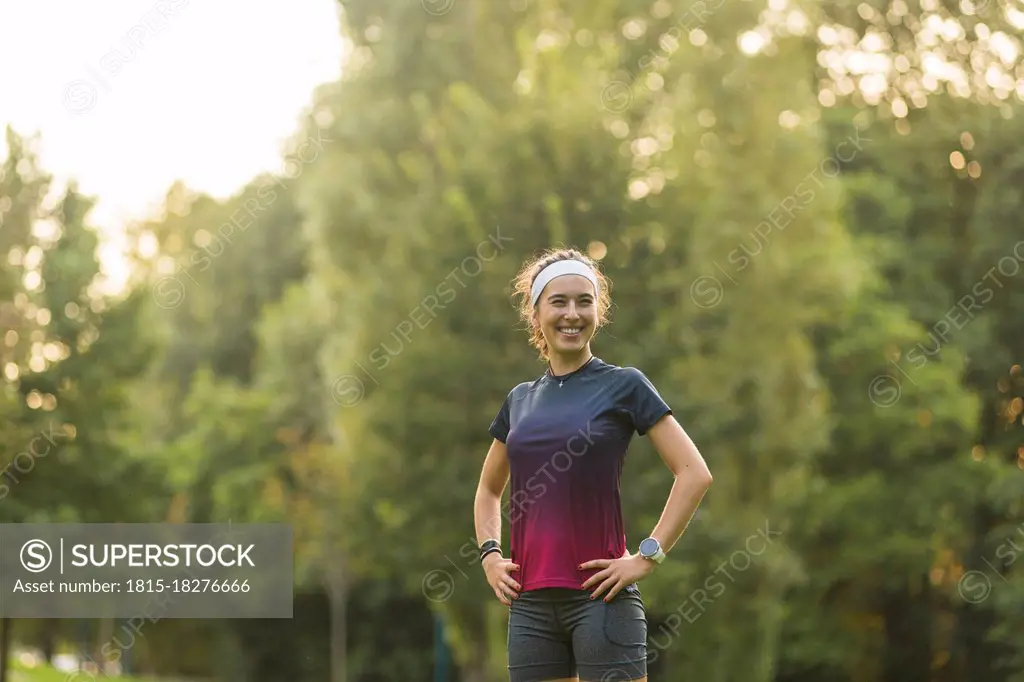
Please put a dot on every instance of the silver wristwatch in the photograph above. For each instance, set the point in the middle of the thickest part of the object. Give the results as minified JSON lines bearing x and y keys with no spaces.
{"x":650,"y":549}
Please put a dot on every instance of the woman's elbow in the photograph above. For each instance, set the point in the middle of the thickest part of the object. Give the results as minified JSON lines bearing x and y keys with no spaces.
{"x":700,"y":477}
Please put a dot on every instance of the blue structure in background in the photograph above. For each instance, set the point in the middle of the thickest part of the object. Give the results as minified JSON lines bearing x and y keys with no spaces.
{"x":442,"y":654}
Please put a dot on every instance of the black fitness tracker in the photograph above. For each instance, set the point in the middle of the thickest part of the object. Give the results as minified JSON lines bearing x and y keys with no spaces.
{"x":488,"y":547}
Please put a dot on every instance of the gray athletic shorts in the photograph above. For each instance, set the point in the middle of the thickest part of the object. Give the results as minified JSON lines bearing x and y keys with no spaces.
{"x":556,"y":632}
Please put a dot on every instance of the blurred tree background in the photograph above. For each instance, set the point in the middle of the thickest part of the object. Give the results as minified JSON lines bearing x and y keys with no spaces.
{"x":811,"y":213}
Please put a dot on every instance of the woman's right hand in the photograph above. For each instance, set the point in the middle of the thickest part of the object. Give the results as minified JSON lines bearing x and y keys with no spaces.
{"x":497,"y":569}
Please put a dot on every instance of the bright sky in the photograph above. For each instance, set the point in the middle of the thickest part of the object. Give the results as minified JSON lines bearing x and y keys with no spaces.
{"x":130,"y":95}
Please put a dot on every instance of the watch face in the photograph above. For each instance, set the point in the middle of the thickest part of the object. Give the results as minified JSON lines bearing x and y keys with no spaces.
{"x":649,"y":547}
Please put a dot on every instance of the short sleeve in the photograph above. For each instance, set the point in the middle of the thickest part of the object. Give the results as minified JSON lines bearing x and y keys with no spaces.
{"x":500,"y":426}
{"x":643,"y":402}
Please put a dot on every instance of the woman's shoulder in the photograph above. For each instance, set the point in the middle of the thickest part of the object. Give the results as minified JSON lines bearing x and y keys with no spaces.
{"x":523,"y":388}
{"x":627,"y":380}
{"x":627,"y":373}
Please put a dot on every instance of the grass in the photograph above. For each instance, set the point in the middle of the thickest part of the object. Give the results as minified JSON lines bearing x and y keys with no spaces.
{"x":46,"y":673}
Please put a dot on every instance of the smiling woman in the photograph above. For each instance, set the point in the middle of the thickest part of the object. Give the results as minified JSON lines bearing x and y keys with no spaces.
{"x":561,"y":440}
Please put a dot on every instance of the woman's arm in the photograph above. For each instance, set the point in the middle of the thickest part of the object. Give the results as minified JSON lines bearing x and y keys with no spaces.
{"x":487,"y":506}
{"x":487,"y":519}
{"x":692,"y":479}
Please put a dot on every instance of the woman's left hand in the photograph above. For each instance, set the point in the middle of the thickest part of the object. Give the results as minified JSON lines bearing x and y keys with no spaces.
{"x":616,"y":574}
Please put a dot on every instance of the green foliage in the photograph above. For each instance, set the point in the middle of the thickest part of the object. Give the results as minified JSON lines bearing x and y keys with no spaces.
{"x":823,"y":281}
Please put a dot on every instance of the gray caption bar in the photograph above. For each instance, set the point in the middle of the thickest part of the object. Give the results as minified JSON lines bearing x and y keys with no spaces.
{"x":115,"y":570}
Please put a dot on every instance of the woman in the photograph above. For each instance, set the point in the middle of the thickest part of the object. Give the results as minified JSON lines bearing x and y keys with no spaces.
{"x":570,"y":581}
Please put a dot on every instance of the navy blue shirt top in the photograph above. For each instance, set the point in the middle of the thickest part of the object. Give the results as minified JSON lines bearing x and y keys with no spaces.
{"x":567,"y":439}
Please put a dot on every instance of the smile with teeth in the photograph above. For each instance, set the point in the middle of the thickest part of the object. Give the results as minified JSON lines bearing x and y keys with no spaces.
{"x":570,"y":331}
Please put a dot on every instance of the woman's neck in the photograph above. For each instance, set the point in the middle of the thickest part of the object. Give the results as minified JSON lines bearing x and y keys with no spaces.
{"x":561,"y":364}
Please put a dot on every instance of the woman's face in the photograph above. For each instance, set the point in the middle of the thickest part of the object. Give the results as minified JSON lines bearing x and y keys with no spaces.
{"x":567,"y":313}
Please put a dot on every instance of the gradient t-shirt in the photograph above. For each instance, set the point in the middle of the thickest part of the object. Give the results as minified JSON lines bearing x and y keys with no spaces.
{"x":567,"y":438}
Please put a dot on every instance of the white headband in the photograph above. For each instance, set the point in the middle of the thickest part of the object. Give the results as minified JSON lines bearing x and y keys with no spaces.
{"x":557,"y":269}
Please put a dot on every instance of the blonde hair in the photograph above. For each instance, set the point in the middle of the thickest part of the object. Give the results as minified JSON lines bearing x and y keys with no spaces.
{"x":524,"y":283}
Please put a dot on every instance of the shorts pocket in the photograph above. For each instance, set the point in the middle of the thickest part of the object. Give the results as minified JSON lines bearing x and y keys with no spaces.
{"x":625,"y":621}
